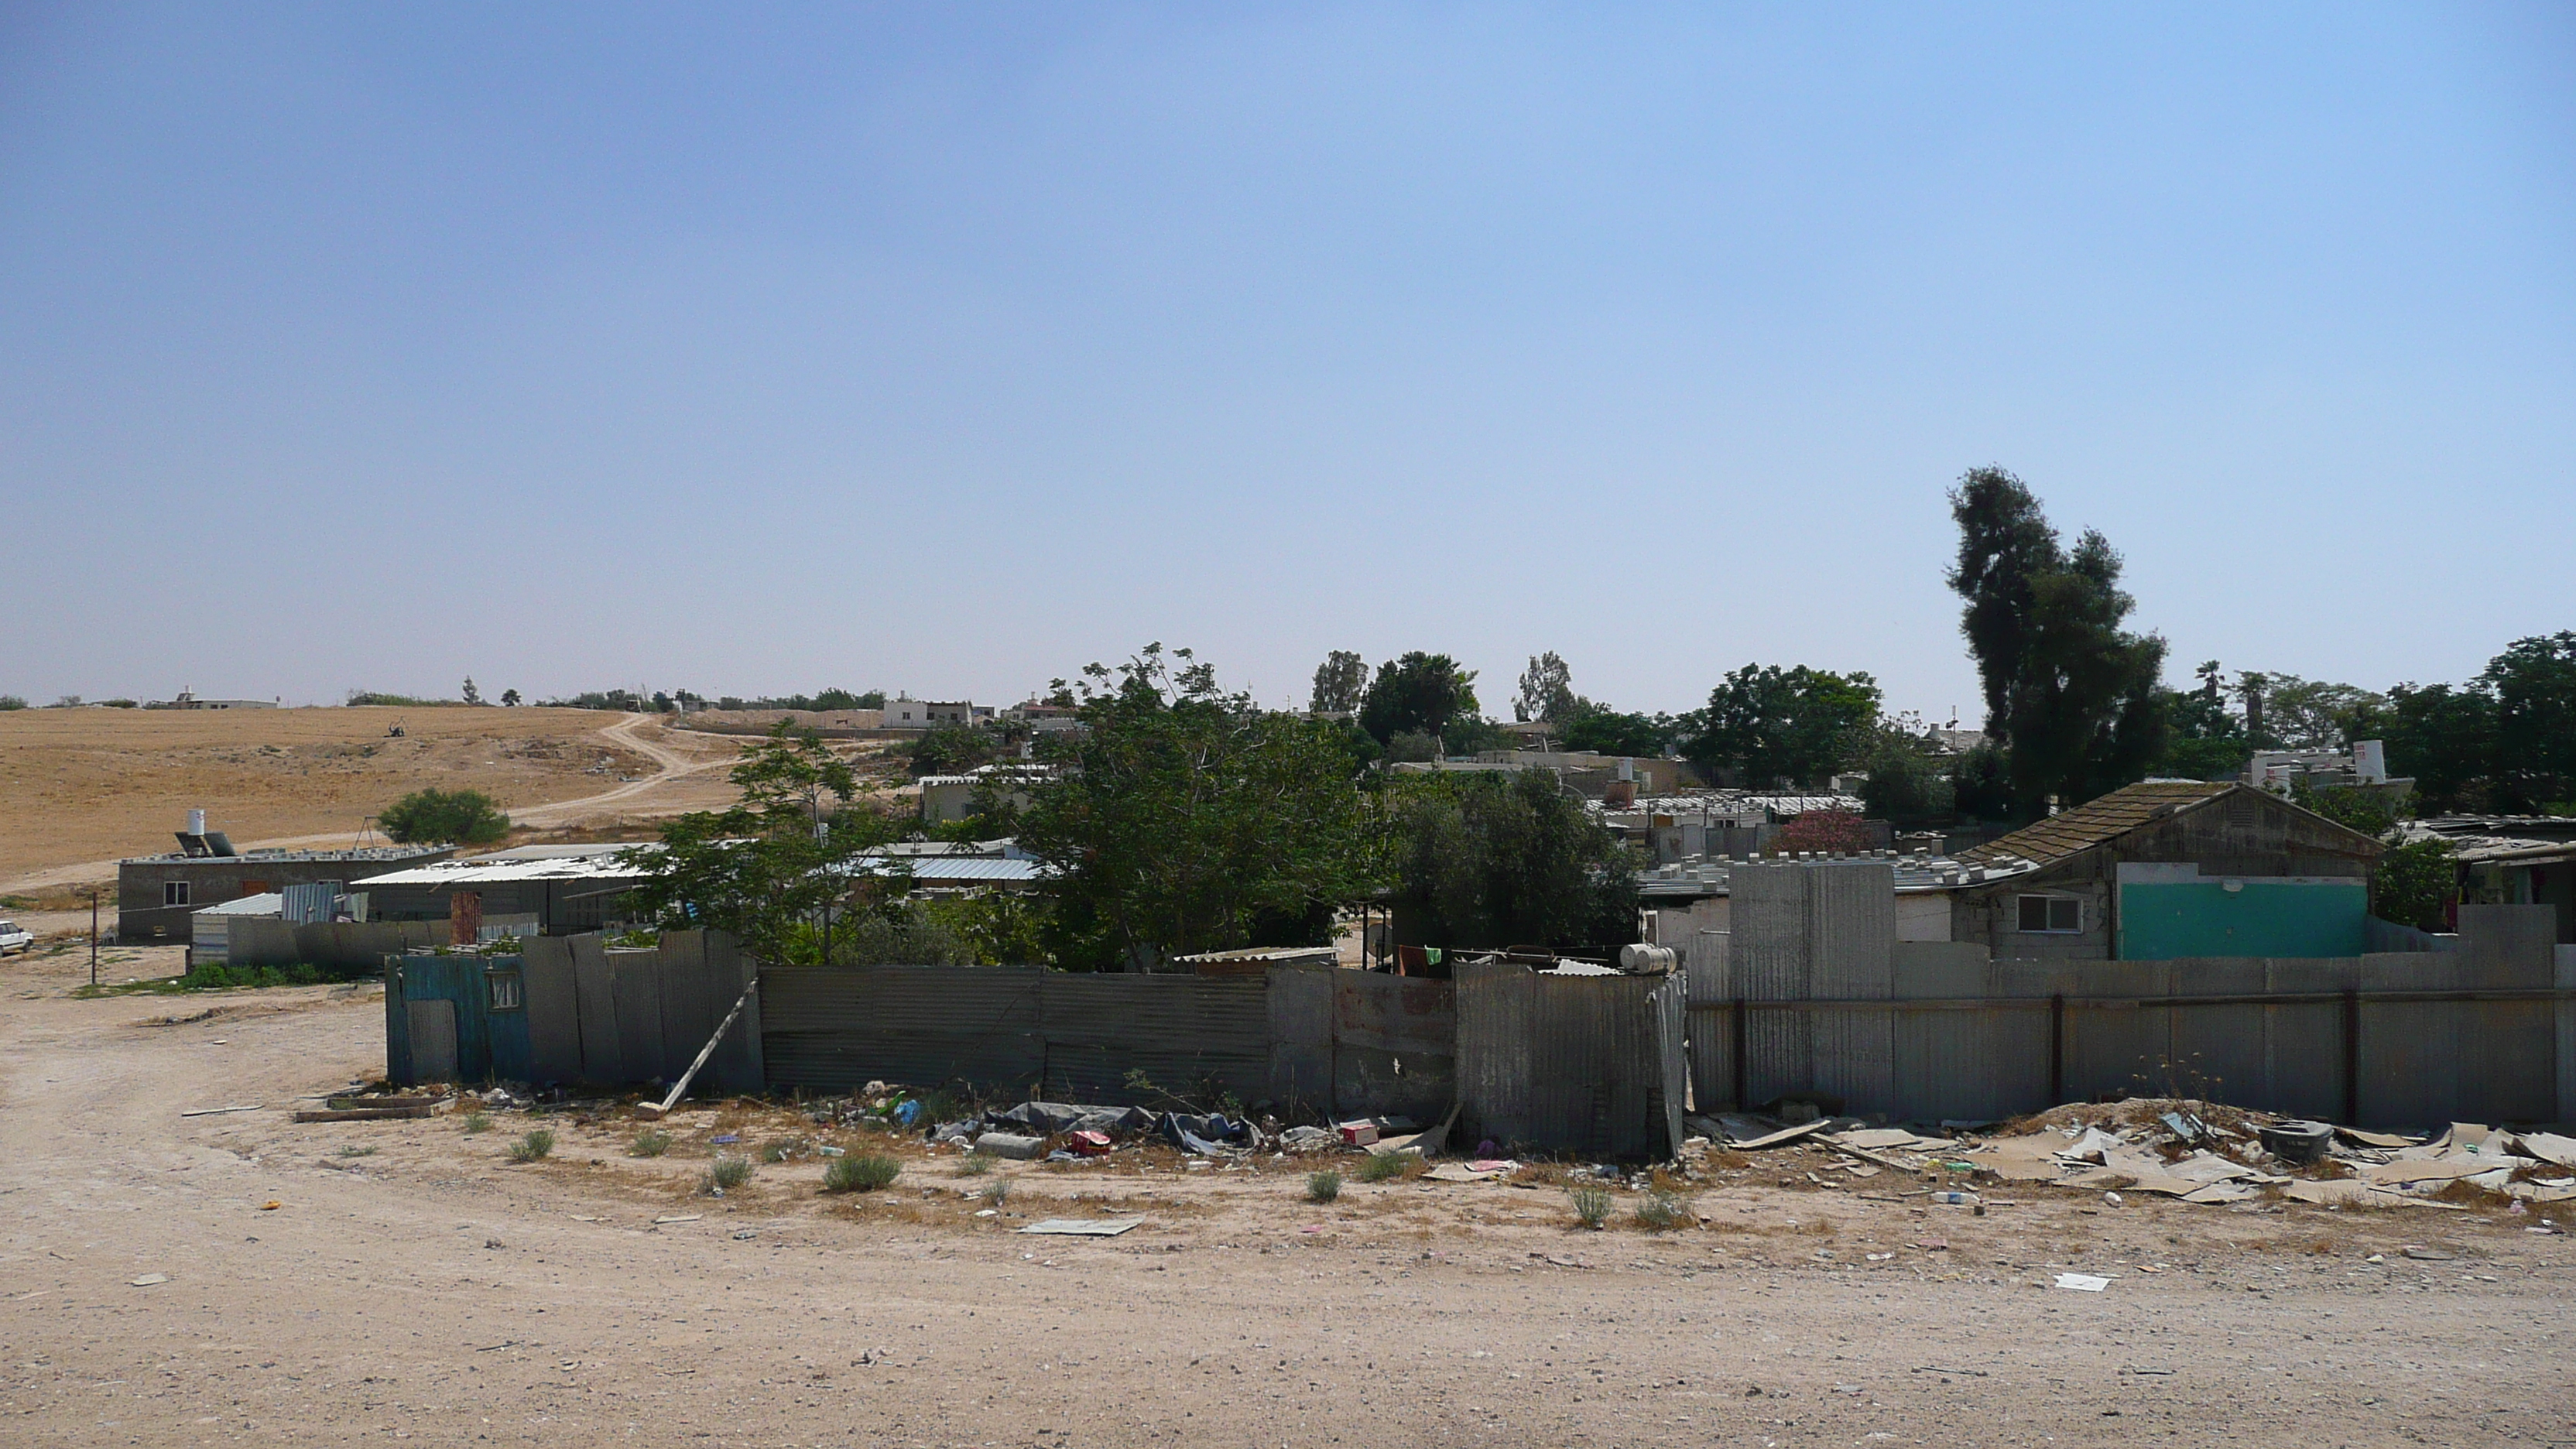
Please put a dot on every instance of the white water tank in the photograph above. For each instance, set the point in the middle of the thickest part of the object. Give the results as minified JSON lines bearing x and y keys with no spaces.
{"x":1645,"y":960}
{"x":196,"y":822}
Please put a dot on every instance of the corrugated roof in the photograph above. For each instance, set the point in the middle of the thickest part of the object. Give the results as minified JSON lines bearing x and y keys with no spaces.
{"x":2098,"y":821}
{"x":496,"y":870}
{"x":945,"y":868}
{"x":268,"y":903}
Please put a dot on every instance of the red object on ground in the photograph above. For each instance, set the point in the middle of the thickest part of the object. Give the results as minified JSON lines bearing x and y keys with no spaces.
{"x":1358,"y":1134}
{"x":1088,"y":1144}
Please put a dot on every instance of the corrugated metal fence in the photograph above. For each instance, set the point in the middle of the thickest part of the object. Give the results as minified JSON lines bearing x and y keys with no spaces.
{"x":1815,"y":996}
{"x":1587,"y":1064}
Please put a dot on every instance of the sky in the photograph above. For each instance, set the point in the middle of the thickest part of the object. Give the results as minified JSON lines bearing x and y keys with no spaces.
{"x":944,"y":349}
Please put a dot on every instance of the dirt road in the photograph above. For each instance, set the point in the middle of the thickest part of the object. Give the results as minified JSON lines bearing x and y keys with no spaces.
{"x":411,"y":1283}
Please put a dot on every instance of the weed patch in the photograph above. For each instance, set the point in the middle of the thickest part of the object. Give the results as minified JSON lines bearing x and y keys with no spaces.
{"x":1323,"y":1186}
{"x":1383,"y":1167}
{"x":651,"y":1142}
{"x":534,"y":1147}
{"x":864,"y":1173}
{"x":731,"y":1172}
{"x":1591,"y":1204}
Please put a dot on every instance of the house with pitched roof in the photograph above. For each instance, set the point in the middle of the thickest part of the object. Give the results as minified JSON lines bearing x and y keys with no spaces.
{"x":2166,"y":869}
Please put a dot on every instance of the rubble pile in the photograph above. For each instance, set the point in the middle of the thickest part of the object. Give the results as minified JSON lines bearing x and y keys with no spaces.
{"x":2192,"y":1152}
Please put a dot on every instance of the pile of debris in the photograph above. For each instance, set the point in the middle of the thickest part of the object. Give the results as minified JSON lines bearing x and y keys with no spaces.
{"x":2194,"y":1152}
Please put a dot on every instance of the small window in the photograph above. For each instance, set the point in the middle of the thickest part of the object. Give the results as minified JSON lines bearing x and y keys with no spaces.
{"x":2058,"y":915}
{"x":174,"y":893}
{"x":501,"y":991}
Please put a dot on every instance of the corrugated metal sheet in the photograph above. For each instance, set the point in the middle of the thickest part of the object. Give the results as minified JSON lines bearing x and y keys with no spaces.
{"x":1120,"y":1039}
{"x":1395,"y":1042}
{"x":1570,"y":1064}
{"x":838,"y":1028}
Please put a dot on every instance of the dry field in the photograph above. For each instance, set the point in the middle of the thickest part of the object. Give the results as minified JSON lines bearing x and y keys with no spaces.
{"x":243,"y":1279}
{"x":83,"y":786}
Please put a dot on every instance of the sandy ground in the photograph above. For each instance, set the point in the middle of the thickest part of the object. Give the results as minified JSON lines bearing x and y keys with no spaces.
{"x":80,"y":788}
{"x":410,"y":1282}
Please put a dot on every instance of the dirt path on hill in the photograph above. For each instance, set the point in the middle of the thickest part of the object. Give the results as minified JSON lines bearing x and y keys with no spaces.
{"x":683,"y":780}
{"x":411,"y":1283}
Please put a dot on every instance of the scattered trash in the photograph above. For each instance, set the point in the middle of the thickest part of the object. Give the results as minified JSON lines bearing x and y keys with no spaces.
{"x":219,"y":1111}
{"x":2297,"y":1143}
{"x":1955,"y":1199}
{"x":1307,"y":1139}
{"x":2082,"y":1282}
{"x":835,"y":1151}
{"x":744,"y":1235}
{"x":1083,"y":1227}
{"x":1357,"y":1134}
{"x":678,"y":1218}
{"x":271,"y":1205}
{"x":2111,"y":1199}
{"x":2427,"y":1255}
{"x":148,"y":1279}
{"x":725,"y":1139}
{"x":1087,"y":1143}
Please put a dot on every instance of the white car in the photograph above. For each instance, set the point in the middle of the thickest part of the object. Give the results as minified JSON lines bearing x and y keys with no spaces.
{"x":13,"y":939}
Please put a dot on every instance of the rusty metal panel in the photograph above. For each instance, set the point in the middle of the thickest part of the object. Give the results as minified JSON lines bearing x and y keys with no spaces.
{"x":1575,"y":1064}
{"x":837,"y":1028}
{"x":1300,"y":1000}
{"x":1395,"y":1043}
{"x":736,"y":1066}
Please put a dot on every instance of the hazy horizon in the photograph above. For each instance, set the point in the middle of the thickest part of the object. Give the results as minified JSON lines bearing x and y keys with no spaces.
{"x":758,"y":351}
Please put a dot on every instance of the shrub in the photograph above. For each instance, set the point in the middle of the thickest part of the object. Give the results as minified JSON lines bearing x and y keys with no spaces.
{"x":976,"y":1164}
{"x":729,"y":1172}
{"x":1382,"y":1167}
{"x":651,"y":1142}
{"x":1659,"y":1212}
{"x":774,"y":1152}
{"x":478,"y":1122}
{"x":864,"y":1173}
{"x":1323,"y":1186}
{"x":997,"y":1192}
{"x":460,"y":817}
{"x":1592,"y":1204}
{"x":533,"y":1147}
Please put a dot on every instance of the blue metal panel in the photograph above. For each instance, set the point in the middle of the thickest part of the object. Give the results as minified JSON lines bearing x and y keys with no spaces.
{"x":491,"y":1044}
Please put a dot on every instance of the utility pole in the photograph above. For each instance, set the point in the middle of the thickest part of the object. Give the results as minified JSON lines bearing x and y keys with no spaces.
{"x":93,"y":935}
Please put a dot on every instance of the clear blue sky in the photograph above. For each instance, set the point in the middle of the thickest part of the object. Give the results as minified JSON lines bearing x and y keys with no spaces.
{"x":948,"y":348}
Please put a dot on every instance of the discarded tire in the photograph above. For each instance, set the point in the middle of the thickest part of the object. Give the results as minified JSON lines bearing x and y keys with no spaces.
{"x":2297,"y":1142}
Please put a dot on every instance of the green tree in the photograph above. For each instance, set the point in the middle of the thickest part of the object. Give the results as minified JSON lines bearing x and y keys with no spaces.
{"x":1774,"y":726}
{"x":12,"y":701}
{"x":1546,"y":693}
{"x":1417,"y":693}
{"x":455,"y":817}
{"x":1339,"y":682}
{"x":2312,"y":714}
{"x":2445,"y":740}
{"x":2073,"y":699}
{"x":954,"y":750}
{"x":2415,"y":884}
{"x":1608,"y":732}
{"x":471,"y":695}
{"x":2204,"y":735}
{"x":1191,"y":820}
{"x":774,"y":868}
{"x":2534,"y":685}
{"x":510,"y":698}
{"x":1907,"y":785}
{"x":1490,"y":861}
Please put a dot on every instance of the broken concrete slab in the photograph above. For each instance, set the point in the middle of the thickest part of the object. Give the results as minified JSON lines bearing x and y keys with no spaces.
{"x":1084,"y":1227}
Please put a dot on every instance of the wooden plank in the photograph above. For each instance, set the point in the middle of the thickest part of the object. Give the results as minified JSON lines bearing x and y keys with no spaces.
{"x":601,"y":1058}
{"x":739,"y":1064}
{"x":553,"y":1002}
{"x":365,"y":1114}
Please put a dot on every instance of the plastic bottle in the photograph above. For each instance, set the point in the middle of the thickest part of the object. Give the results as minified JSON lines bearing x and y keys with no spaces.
{"x":1955,"y":1198}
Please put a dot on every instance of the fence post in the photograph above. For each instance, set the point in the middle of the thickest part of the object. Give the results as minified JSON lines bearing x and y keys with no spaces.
{"x":1736,"y":1024}
{"x":2351,"y":1056}
{"x":2057,"y":1049}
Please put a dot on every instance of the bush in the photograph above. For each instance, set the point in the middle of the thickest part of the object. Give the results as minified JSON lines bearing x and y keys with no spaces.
{"x":457,"y":817}
{"x":1659,"y":1212}
{"x":1382,"y":1167}
{"x":651,"y":1142}
{"x":1323,"y":1186}
{"x":478,"y":1122}
{"x":997,"y":1192}
{"x":533,"y":1147}
{"x":976,"y":1164}
{"x":864,"y":1173}
{"x":1592,"y":1204}
{"x":12,"y":701}
{"x":729,"y":1172}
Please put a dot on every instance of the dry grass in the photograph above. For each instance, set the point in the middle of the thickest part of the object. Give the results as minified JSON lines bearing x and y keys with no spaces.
{"x":96,"y":784}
